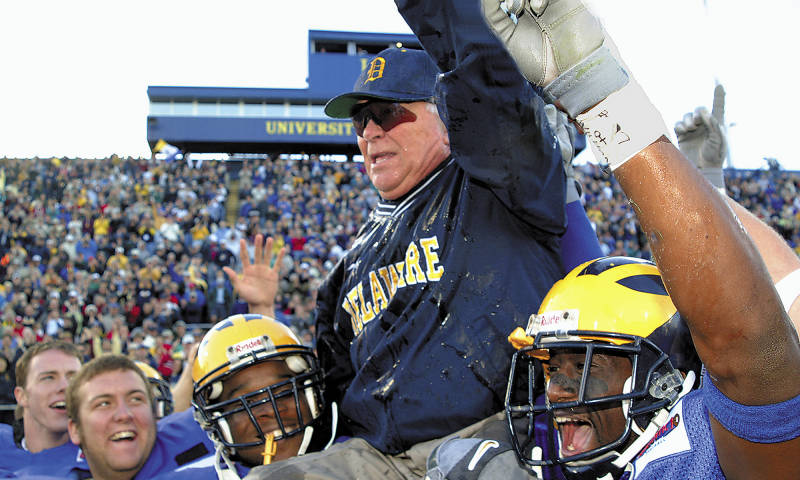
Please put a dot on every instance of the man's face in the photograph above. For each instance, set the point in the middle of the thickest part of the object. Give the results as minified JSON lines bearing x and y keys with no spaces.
{"x":398,"y":159}
{"x":583,"y":428}
{"x":255,"y":378}
{"x":117,"y":428}
{"x":44,"y":395}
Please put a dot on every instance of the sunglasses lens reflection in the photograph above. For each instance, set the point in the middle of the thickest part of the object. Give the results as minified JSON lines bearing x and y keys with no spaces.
{"x":385,"y":115}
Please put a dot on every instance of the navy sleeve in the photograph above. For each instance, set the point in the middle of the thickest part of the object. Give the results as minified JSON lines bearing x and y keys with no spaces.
{"x":333,"y":349}
{"x":579,"y":244}
{"x":498,"y":130}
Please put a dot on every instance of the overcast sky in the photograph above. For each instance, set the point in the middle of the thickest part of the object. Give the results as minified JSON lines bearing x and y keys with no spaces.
{"x":75,"y":73}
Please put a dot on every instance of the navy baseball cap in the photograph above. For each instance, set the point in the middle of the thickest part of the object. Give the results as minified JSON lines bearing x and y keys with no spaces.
{"x":395,"y":75}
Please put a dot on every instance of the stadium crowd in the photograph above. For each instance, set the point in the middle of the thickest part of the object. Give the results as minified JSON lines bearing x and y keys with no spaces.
{"x":125,"y":255}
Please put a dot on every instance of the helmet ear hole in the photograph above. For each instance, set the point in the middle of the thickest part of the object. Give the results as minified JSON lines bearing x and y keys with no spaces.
{"x":296,"y":364}
{"x":216,"y":391}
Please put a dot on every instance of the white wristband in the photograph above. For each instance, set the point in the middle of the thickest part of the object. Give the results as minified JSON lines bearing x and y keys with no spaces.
{"x":622,"y":125}
{"x":789,"y":289}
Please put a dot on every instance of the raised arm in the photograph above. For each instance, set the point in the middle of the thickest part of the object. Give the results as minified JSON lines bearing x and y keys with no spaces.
{"x":710,"y":266}
{"x":701,"y":138}
{"x":497,"y":125}
{"x":739,"y":327}
{"x":717,"y":280}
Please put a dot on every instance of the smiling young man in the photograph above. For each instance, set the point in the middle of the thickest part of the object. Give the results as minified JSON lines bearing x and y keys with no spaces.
{"x":43,"y":372}
{"x":39,"y":444}
{"x":112,"y":417}
{"x":615,"y":361}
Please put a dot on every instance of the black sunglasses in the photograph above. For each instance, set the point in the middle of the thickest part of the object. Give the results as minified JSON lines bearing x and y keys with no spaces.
{"x":385,"y":115}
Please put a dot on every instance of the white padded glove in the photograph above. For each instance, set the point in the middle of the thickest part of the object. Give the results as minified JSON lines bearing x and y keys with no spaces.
{"x":557,"y":44}
{"x":560,"y":45}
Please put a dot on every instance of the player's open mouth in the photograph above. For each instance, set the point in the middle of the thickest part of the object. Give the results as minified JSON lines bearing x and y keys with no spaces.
{"x":59,"y":405}
{"x":123,"y":436}
{"x":576,"y":435}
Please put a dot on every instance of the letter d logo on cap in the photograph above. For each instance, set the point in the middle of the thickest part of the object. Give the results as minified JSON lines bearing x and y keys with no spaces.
{"x":376,"y":67}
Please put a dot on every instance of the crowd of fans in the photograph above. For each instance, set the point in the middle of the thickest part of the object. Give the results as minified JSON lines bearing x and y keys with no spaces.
{"x":126,"y":255}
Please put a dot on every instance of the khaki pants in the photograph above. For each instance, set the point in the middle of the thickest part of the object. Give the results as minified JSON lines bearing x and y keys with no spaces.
{"x":356,"y":459}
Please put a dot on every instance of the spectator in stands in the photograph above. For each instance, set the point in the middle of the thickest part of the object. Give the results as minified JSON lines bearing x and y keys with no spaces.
{"x":192,"y":306}
{"x":220,"y":297}
{"x":141,"y":353}
{"x":9,"y":348}
{"x":118,"y":261}
{"x":7,"y":384}
{"x":170,"y":230}
{"x":87,"y":248}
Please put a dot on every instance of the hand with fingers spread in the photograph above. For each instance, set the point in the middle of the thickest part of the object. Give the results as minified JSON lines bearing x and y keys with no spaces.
{"x":702,"y":139}
{"x":257,"y":284}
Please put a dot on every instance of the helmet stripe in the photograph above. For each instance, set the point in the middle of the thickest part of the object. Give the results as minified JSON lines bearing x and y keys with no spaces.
{"x":223,"y":325}
{"x":602,"y":264}
{"x":644,"y":284}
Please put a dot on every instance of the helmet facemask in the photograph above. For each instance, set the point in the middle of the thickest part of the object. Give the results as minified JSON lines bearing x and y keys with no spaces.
{"x":656,"y":387}
{"x":162,"y":397}
{"x":296,"y":395}
{"x":602,"y":312}
{"x":163,"y":404}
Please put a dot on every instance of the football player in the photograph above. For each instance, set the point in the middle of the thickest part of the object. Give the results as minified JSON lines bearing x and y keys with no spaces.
{"x":162,"y":396}
{"x":258,"y":394}
{"x":601,"y":388}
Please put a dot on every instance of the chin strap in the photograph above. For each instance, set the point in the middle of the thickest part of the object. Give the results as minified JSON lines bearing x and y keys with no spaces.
{"x":334,"y":424}
{"x":219,"y":457}
{"x":656,"y":423}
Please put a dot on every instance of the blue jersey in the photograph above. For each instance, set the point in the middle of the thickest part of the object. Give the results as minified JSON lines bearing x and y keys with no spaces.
{"x":180,"y":442}
{"x":13,"y":457}
{"x":59,"y":461}
{"x":684,"y":447}
{"x":200,"y":471}
{"x":412,"y":323}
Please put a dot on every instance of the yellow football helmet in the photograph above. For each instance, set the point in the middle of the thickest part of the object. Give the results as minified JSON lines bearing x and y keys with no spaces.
{"x":162,"y":395}
{"x":611,"y":305}
{"x":239,"y":342}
